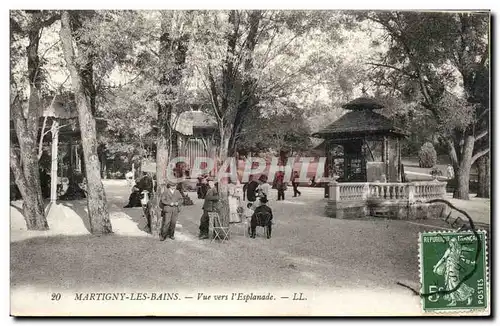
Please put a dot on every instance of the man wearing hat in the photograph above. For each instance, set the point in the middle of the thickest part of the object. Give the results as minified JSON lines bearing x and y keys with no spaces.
{"x":209,"y":205}
{"x":170,"y":201}
{"x":263,"y":211}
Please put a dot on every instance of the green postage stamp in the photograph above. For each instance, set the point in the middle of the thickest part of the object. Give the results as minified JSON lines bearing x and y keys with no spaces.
{"x":453,"y":271}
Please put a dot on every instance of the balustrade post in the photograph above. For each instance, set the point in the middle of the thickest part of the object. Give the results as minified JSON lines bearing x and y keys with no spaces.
{"x":366,"y":191}
{"x":411,"y":193}
{"x":334,"y":191}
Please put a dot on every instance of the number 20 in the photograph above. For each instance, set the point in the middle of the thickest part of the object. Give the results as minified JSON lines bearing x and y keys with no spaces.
{"x":56,"y":296}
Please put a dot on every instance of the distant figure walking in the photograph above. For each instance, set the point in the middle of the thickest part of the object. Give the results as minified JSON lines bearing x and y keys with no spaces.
{"x":280,"y":185}
{"x":170,"y":201}
{"x":295,"y":184}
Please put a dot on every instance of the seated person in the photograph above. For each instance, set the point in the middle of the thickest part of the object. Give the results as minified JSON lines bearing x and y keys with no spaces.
{"x":143,"y":184}
{"x":262,"y":209}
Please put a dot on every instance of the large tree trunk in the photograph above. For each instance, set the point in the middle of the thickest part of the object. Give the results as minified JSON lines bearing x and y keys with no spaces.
{"x":25,"y":166}
{"x":170,"y":79}
{"x":483,"y":175}
{"x":462,"y":161}
{"x":96,"y":197}
{"x":463,"y":178}
{"x":247,"y":99}
{"x":222,"y":156}
{"x":223,"y":152}
{"x":162,"y":148}
{"x":33,"y":211}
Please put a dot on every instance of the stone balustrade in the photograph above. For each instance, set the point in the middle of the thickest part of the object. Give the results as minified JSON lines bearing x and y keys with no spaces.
{"x":352,"y":191}
{"x":388,"y":191}
{"x":371,"y":198}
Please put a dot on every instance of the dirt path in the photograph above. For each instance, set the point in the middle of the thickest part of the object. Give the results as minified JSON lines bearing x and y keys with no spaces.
{"x":325,"y":257}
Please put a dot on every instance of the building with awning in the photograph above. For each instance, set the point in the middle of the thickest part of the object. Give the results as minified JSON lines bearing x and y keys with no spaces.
{"x":196,"y":136}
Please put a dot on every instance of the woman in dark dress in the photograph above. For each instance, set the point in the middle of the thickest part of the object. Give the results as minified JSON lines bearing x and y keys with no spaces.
{"x":144,"y":184}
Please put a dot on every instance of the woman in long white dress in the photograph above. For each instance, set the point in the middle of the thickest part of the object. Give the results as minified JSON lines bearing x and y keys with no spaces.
{"x":235,"y":198}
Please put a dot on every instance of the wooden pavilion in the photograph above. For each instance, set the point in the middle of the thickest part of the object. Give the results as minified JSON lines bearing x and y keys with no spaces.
{"x":362,"y":145}
{"x":363,"y":150}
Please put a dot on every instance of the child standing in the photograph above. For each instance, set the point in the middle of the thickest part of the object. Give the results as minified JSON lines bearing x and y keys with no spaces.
{"x":249,"y":210}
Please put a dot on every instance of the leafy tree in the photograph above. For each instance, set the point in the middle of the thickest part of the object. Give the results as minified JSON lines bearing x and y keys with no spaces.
{"x":441,"y":60}
{"x":279,"y":133}
{"x":27,"y":27}
{"x":246,"y":60}
{"x":99,"y":48}
{"x":130,"y":120}
{"x":427,"y":157}
{"x":80,"y":67}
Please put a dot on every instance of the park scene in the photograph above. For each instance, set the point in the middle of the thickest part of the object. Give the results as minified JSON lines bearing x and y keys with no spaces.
{"x":179,"y":159}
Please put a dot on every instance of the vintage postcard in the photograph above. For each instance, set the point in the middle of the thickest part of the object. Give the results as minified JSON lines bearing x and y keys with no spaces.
{"x":250,"y":163}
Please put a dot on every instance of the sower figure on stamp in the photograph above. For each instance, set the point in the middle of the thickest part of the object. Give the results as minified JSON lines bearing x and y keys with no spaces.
{"x":449,"y":267}
{"x":170,"y":202}
{"x":210,"y":205}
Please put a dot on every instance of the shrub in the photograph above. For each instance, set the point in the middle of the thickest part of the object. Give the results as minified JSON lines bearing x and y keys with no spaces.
{"x":427,"y":156}
{"x":435,"y":172}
